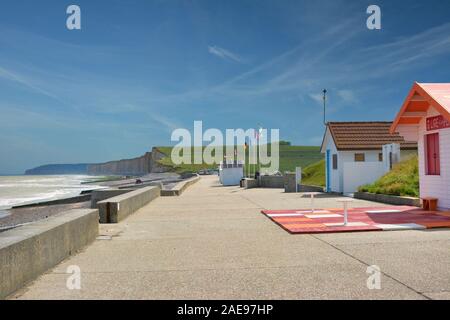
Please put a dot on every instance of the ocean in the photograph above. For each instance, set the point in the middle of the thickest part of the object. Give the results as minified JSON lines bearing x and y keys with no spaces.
{"x":17,"y":190}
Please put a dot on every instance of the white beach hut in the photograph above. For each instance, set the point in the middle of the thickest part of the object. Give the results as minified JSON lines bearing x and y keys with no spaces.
{"x":354,"y":153}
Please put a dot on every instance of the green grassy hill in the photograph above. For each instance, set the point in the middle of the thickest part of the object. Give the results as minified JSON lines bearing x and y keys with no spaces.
{"x":298,"y":156}
{"x":290,"y":157}
{"x":314,"y":174}
{"x":402,"y":180}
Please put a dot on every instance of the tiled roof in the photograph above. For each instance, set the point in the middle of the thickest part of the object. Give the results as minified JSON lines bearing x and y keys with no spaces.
{"x":365,"y":136}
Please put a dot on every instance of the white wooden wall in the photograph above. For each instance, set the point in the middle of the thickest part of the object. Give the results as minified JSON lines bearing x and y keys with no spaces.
{"x":359,"y":173}
{"x":435,"y":186}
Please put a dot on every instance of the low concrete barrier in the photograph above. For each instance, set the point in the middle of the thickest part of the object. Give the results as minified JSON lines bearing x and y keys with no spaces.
{"x":289,"y":182}
{"x":250,"y":183}
{"x":30,"y":250}
{"x":117,"y":208}
{"x":289,"y":185}
{"x":179,"y":188}
{"x":384,"y":198}
{"x":99,"y":195}
{"x":308,"y":188}
{"x":271,"y":181}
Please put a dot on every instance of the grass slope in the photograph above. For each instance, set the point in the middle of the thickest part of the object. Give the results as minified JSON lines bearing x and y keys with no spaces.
{"x":290,"y":157}
{"x":402,"y":180}
{"x":298,"y":156}
{"x":314,"y":174}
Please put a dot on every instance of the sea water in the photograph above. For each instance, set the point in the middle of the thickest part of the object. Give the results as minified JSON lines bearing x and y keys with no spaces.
{"x":18,"y":190}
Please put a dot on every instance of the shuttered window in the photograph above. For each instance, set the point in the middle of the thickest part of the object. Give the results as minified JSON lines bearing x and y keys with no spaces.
{"x":432,"y":158}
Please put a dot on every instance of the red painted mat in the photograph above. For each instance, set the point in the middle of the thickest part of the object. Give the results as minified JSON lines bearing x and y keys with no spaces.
{"x":359,"y":219}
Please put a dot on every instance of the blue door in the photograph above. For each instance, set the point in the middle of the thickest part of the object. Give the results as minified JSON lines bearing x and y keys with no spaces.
{"x":327,"y":171}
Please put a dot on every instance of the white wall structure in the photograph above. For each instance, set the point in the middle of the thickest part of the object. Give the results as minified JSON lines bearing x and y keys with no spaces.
{"x":231,"y":173}
{"x":356,"y":174}
{"x":426,"y":102}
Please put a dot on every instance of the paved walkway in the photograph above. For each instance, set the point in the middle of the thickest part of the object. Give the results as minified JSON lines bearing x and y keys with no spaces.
{"x":213,"y":242}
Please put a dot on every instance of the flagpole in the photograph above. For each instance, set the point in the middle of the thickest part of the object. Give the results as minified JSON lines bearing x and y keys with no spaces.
{"x":254,"y":165}
{"x":246,"y":161}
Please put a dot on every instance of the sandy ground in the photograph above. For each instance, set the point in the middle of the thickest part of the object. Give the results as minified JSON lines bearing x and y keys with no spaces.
{"x":212,"y":242}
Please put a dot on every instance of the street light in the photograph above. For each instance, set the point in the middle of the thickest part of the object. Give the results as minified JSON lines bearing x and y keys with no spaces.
{"x":324,"y":104}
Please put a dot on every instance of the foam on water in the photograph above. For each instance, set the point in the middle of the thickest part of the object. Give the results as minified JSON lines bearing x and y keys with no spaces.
{"x":3,"y":214}
{"x":17,"y":190}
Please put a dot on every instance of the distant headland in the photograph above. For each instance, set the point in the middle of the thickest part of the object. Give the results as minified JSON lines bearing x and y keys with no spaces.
{"x":147,"y":163}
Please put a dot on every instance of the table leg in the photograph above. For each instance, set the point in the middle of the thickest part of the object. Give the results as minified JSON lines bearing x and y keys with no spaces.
{"x":345,"y":214}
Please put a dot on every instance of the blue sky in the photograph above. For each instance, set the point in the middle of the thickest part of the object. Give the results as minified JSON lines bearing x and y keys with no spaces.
{"x":139,"y":69}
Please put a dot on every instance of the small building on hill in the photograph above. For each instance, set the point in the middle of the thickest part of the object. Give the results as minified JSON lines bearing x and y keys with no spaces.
{"x":425,"y":118}
{"x":354,"y":153}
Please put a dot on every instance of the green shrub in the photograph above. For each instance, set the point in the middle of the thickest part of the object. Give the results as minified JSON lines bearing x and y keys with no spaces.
{"x":402,"y":180}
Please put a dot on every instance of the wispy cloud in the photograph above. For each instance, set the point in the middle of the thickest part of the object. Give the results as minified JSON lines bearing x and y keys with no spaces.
{"x":15,"y":77}
{"x":168,"y":124}
{"x":224,"y":54}
{"x":302,"y":69}
{"x":317,"y":97}
{"x":348,"y":96}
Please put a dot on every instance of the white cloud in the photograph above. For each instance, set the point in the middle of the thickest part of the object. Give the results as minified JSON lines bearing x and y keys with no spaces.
{"x":15,"y":77}
{"x":224,"y":54}
{"x":168,"y":124}
{"x":347,"y":96}
{"x":316,"y":97}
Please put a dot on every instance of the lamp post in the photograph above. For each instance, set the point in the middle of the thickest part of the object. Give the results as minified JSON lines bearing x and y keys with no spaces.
{"x":324,"y":105}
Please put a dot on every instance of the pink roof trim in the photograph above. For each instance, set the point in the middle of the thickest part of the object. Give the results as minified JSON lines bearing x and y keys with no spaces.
{"x":436,"y":94}
{"x":440,"y":92}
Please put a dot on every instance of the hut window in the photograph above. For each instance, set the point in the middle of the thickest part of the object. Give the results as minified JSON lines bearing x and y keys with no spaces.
{"x":335,"y":161}
{"x":360,"y":157}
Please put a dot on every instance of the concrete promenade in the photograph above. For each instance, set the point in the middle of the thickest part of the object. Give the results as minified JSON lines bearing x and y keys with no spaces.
{"x":213,"y":242}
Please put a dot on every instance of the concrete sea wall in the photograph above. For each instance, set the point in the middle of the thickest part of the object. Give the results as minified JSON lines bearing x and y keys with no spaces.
{"x":180,"y":187}
{"x":115,"y":209}
{"x":100,"y":195}
{"x":30,"y":250}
